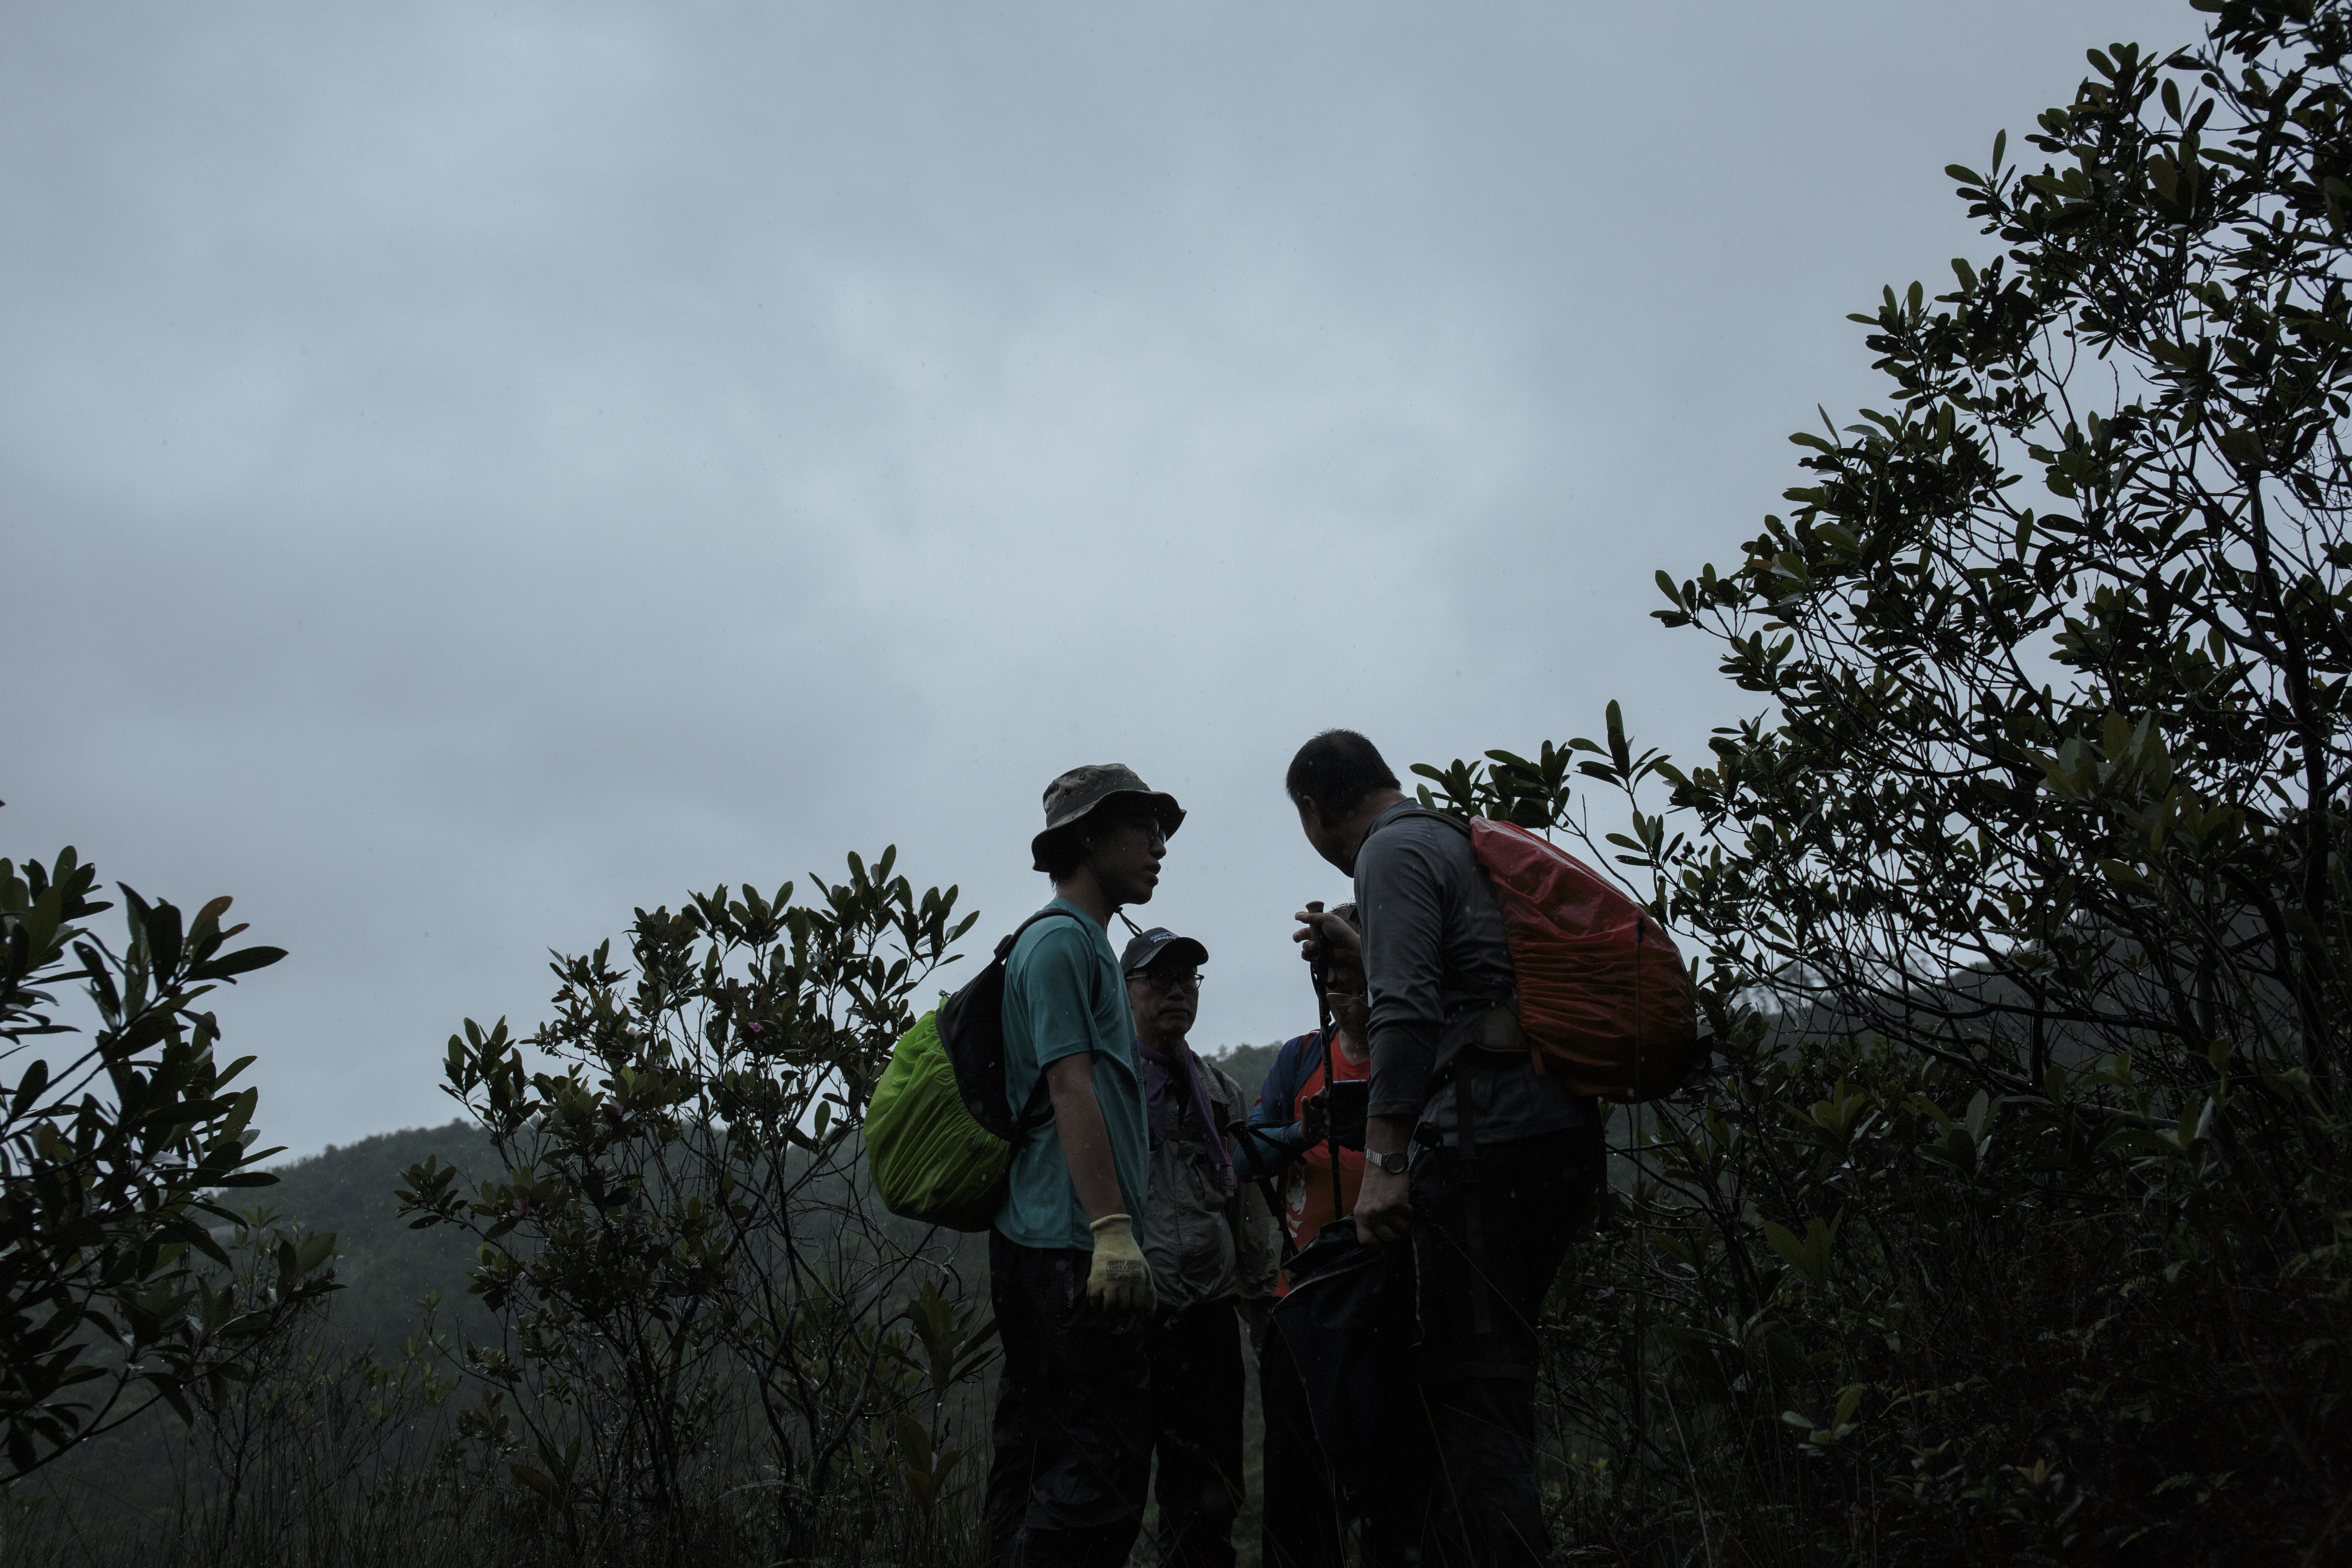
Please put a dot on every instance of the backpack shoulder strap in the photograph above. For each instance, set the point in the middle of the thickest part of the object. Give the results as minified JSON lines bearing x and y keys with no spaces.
{"x":1447,"y":817}
{"x":1461,"y":826}
{"x":1004,"y":948}
{"x":1040,"y":1108}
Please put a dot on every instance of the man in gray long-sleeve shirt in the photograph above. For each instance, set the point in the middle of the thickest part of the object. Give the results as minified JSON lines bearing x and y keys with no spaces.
{"x":1436,"y":959}
{"x":1486,"y":1200}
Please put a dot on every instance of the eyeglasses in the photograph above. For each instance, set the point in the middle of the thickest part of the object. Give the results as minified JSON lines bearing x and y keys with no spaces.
{"x":1171,"y":982}
{"x":1155,"y":836}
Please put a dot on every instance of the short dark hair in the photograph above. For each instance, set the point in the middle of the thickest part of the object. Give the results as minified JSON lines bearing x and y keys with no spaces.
{"x":1337,"y":770}
{"x":1061,"y":852}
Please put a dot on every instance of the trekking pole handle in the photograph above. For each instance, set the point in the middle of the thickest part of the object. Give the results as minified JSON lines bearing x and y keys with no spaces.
{"x":1319,"y":962}
{"x":1318,"y":968}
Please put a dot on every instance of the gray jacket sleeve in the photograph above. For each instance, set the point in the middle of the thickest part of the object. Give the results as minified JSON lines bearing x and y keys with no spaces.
{"x":1400,"y":894}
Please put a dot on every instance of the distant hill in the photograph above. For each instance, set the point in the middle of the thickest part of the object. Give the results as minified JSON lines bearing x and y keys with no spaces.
{"x":133,"y":1474}
{"x":387,"y":1271}
{"x":1247,"y":1064}
{"x":387,"y":1268}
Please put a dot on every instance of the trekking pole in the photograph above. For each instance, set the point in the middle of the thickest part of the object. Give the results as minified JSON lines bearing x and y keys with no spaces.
{"x":1319,"y":970}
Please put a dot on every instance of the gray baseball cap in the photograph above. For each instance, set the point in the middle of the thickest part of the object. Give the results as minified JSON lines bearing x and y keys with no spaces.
{"x":1079,"y":793}
{"x":1146,"y":949}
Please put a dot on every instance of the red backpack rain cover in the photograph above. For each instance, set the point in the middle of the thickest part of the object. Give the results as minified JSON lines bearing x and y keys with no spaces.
{"x":1603,"y":991}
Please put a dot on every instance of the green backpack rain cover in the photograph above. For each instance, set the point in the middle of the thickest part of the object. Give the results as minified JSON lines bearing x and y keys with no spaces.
{"x":939,"y":1133}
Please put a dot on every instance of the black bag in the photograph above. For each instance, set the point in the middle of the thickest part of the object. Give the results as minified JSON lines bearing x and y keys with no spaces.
{"x":1348,"y":1343}
{"x":971,"y":1026}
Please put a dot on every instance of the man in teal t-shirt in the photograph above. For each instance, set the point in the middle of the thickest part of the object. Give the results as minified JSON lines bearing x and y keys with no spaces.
{"x":1064,"y":995}
{"x":1066,"y":1276}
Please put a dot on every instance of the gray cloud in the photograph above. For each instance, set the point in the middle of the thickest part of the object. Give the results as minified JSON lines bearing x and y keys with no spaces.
{"x":467,"y":472}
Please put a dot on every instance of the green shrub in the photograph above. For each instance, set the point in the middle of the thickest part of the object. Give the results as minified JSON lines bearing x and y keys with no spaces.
{"x":114,"y":1293}
{"x":2012,"y":1226}
{"x":710,"y":1332}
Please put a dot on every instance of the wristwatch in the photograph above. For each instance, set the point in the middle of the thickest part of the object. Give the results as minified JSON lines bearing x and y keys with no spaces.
{"x":1391,"y":1164}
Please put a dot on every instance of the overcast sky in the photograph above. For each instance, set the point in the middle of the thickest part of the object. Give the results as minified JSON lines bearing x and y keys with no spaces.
{"x":467,"y":471}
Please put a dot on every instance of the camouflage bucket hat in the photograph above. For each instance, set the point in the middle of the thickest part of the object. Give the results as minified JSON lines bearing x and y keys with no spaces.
{"x":1079,"y":793}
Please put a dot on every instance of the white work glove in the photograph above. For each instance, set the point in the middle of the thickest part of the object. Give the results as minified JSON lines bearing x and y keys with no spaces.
{"x":1120,"y":1281}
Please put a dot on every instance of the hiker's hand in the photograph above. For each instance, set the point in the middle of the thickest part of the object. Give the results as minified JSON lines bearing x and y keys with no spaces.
{"x":1120,"y":1281}
{"x":1321,"y":934}
{"x":1384,"y":1207}
{"x":1314,"y":1120}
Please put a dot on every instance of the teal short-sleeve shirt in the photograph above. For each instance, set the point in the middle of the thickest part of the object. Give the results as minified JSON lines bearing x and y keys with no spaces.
{"x":1064,"y":995}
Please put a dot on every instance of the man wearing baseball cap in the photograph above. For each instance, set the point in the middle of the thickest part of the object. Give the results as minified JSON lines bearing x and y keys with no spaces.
{"x":1210,"y":1242}
{"x":1066,"y":1274}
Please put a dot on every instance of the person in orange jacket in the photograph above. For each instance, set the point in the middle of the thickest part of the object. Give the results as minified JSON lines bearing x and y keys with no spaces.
{"x":1287,"y":1142}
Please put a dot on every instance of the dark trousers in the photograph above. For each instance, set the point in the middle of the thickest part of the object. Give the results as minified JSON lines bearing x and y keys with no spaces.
{"x":1299,"y":1507}
{"x":1196,"y":1422}
{"x":1478,"y":1293}
{"x":1373,"y":1480}
{"x":1073,"y":1431}
{"x":1448,"y":1475}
